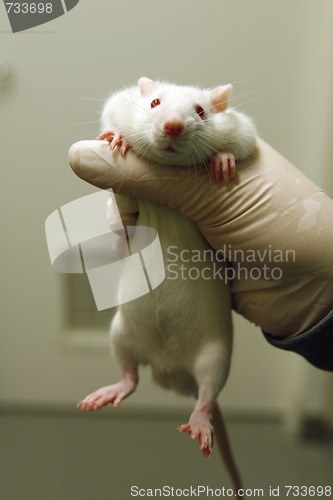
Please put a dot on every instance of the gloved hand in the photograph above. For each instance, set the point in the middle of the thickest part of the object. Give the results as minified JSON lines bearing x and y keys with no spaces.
{"x":272,"y":223}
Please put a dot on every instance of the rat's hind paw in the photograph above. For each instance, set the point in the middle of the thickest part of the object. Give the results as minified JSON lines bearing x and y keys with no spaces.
{"x":222,"y":166}
{"x":201,"y":429}
{"x":113,"y":394}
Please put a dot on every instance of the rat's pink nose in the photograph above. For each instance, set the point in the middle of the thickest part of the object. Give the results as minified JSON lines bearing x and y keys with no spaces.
{"x":173,"y":127}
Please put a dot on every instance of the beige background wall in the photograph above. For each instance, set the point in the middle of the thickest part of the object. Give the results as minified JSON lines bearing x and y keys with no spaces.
{"x":278,"y":55}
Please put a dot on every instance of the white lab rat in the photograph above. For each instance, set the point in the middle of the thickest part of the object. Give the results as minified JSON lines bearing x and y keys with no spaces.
{"x":183,"y":328}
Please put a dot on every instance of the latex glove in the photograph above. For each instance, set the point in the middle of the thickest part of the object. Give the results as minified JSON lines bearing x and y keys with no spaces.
{"x":272,"y":223}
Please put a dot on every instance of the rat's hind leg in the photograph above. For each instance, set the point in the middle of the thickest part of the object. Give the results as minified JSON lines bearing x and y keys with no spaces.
{"x":210,"y":371}
{"x":115,"y":393}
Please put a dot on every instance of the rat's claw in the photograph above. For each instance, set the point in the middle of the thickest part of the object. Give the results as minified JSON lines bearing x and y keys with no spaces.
{"x":200,"y":430}
{"x":125,"y":147}
{"x":222,"y":166}
{"x":184,"y":428}
{"x":116,"y":141}
{"x":215,"y":170}
{"x":206,"y":450}
{"x":107,"y":134}
{"x":232,"y":166}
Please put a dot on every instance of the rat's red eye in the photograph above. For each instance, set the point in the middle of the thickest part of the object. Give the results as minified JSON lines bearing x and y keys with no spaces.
{"x":154,"y":103}
{"x":200,"y":111}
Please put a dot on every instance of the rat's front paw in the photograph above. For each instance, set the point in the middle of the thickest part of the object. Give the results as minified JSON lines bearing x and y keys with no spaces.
{"x":116,"y":140}
{"x":202,"y":429}
{"x":222,"y":166}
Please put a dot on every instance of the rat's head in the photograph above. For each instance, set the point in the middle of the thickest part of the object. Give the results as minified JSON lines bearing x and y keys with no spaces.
{"x":178,"y":122}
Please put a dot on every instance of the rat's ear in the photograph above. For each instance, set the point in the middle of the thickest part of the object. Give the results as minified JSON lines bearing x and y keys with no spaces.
{"x":146,"y":85}
{"x":219,"y":97}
